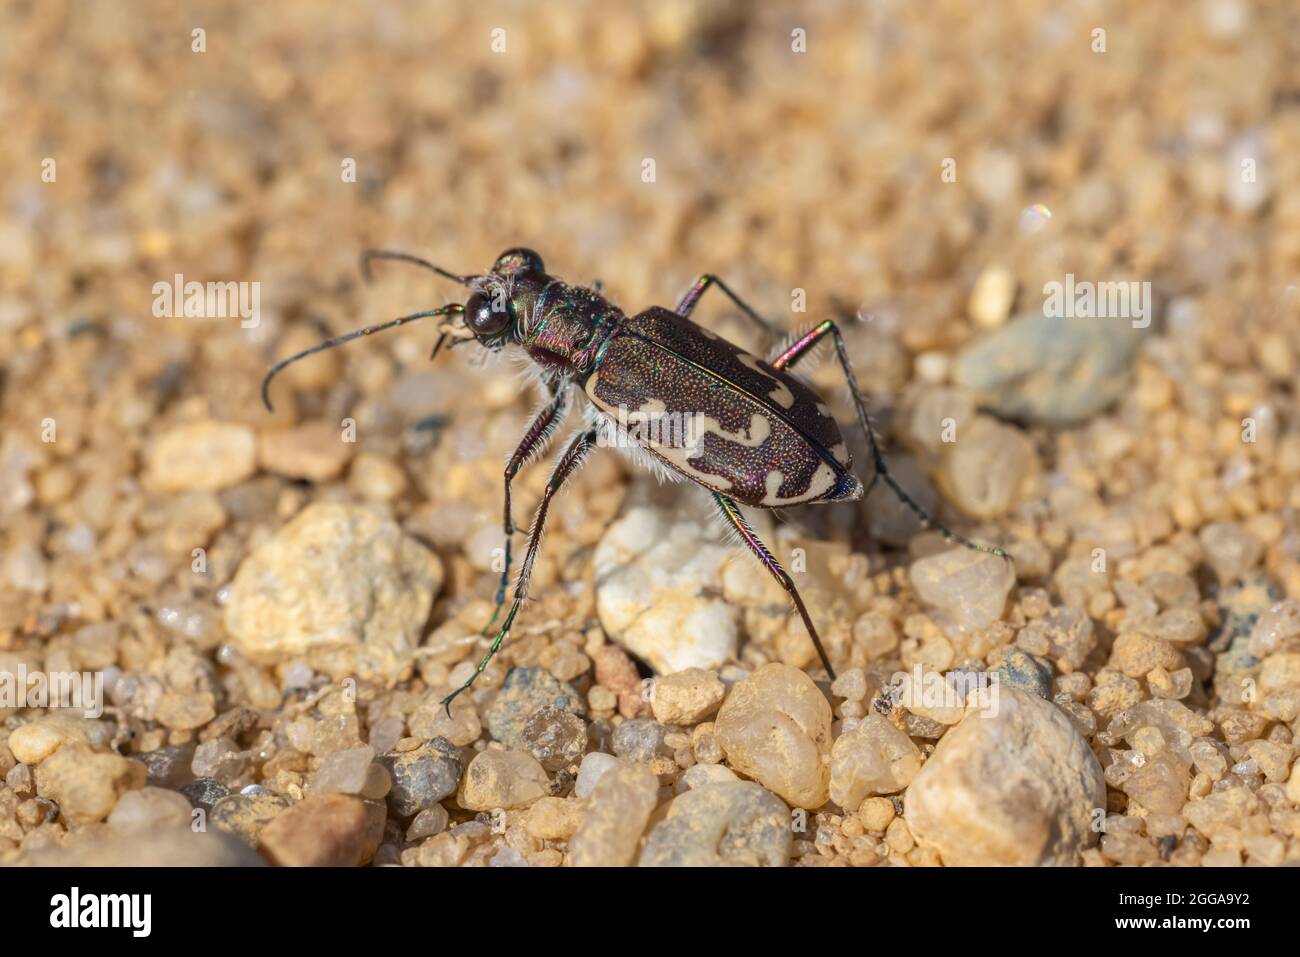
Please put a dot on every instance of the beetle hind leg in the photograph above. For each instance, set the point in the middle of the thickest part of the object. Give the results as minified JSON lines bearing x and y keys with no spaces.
{"x":800,"y":348}
{"x":733,"y":515}
{"x":692,"y":297}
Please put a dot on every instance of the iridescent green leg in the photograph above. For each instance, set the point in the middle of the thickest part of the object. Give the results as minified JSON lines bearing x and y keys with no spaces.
{"x":685,"y":307}
{"x":539,"y":430}
{"x":802,"y":347}
{"x":568,"y":464}
{"x":733,"y":515}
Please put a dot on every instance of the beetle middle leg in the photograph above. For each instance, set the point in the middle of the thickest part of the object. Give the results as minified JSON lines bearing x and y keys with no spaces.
{"x":539,"y":430}
{"x":764,"y":554}
{"x":685,"y":307}
{"x":568,"y":464}
{"x":802,"y":347}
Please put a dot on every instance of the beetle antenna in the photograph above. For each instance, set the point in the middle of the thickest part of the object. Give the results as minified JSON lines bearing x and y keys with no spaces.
{"x":453,"y":309}
{"x":371,"y":254}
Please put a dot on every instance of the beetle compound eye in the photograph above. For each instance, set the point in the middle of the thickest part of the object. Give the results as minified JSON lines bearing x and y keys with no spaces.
{"x":486,"y":316}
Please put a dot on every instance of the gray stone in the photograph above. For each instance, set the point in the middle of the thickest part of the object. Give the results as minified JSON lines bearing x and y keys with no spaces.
{"x":638,"y":739}
{"x":1019,"y":669}
{"x":555,"y":738}
{"x":423,"y":777}
{"x":727,"y":824}
{"x":525,"y":692}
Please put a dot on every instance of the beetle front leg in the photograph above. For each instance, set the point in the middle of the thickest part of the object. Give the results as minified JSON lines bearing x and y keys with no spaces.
{"x":539,"y":430}
{"x":568,"y":464}
{"x":733,"y":515}
{"x":687,"y":305}
{"x":802,"y":347}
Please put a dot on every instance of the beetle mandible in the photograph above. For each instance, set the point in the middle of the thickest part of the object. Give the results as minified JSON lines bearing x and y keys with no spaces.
{"x":764,"y":439}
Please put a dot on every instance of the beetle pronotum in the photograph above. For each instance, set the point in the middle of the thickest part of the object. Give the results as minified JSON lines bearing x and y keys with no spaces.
{"x":767,"y":439}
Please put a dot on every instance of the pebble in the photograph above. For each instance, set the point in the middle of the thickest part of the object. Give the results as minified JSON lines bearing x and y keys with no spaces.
{"x":967,"y":589}
{"x":686,"y":697}
{"x":616,"y":671}
{"x":205,"y":456}
{"x":353,"y":771}
{"x":659,"y":587}
{"x":1018,"y":787}
{"x":553,"y":818}
{"x":430,"y":719}
{"x":151,"y":807}
{"x":592,"y":769}
{"x":502,"y":779}
{"x":244,"y":815}
{"x":167,"y":847}
{"x":1230,"y":550}
{"x":313,"y":451}
{"x":733,"y":824}
{"x":775,"y":727}
{"x":336,"y":575}
{"x":325,"y":830}
{"x":1050,"y":371}
{"x":423,"y":776}
{"x":204,"y":793}
{"x":992,"y":296}
{"x":985,"y":470}
{"x":617,"y":813}
{"x":35,"y":741}
{"x":525,"y":692}
{"x":430,"y":821}
{"x":1277,"y":629}
{"x":1026,"y":672}
{"x":639,"y":739}
{"x":169,"y":766}
{"x":85,"y":784}
{"x":874,"y":758}
{"x":376,"y":478}
{"x":556,"y":738}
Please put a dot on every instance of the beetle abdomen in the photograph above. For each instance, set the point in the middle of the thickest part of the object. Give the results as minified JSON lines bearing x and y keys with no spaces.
{"x":720,"y":416}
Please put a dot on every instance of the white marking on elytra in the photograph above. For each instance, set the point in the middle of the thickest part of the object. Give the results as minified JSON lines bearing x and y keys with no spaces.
{"x":781,"y":395}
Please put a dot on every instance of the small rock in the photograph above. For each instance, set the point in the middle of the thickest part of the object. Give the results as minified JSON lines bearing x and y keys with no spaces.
{"x":35,"y":741}
{"x":592,"y":769}
{"x":170,"y":847}
{"x":203,"y":455}
{"x":617,"y":672}
{"x":325,"y":830}
{"x":553,"y":818}
{"x":185,"y":712}
{"x":352,"y":771}
{"x":525,"y":692}
{"x":422,"y":777}
{"x":87,"y":785}
{"x":1278,"y":629}
{"x":376,"y":478}
{"x":502,"y":779}
{"x":967,"y":588}
{"x":169,"y":766}
{"x":874,"y":758}
{"x":991,"y":298}
{"x":639,"y":739}
{"x":686,"y":697}
{"x":430,"y":821}
{"x":1230,"y":550}
{"x":1050,"y":370}
{"x":314,"y":451}
{"x":1021,"y":670}
{"x":985,"y":470}
{"x":204,"y":793}
{"x":244,"y":815}
{"x":721,"y":825}
{"x":335,"y":576}
{"x":619,"y":808}
{"x":430,"y":719}
{"x":1015,"y":787}
{"x":151,"y":808}
{"x":219,"y":758}
{"x":555,"y":738}
{"x":775,"y":727}
{"x":659,"y":587}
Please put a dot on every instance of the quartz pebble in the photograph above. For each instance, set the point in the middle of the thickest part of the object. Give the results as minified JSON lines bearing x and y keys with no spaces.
{"x":967,"y":589}
{"x":659,"y":582}
{"x":525,"y":692}
{"x":336,"y":575}
{"x":617,"y":813}
{"x":35,"y":741}
{"x":592,"y":769}
{"x":87,"y":785}
{"x":874,"y":758}
{"x":1015,"y":787}
{"x":314,"y":451}
{"x":152,"y":808}
{"x":686,"y":697}
{"x":202,"y":455}
{"x":502,"y":779}
{"x":775,"y":727}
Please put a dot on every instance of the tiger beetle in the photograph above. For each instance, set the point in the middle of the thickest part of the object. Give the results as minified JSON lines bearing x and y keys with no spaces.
{"x":767,"y":439}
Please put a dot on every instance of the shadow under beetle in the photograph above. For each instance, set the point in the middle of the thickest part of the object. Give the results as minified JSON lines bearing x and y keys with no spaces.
{"x":765,"y":438}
